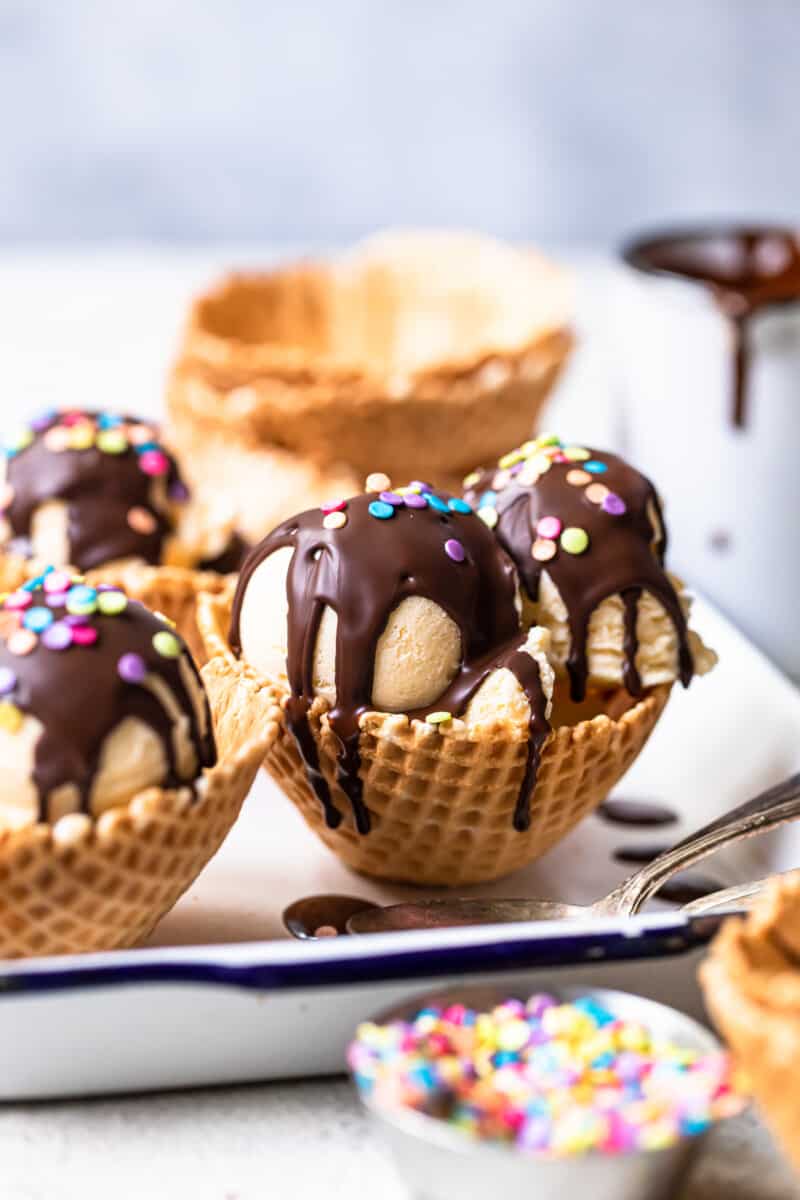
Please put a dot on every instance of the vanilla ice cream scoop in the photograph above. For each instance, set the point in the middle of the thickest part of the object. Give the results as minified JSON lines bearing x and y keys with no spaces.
{"x":86,"y":489}
{"x":395,"y":601}
{"x":99,"y":700}
{"x":586,"y":532}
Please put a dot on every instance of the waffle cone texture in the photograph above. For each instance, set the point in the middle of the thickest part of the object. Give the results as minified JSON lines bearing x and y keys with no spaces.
{"x":417,"y":354}
{"x":170,"y":590}
{"x":84,"y":884}
{"x":751,"y":984}
{"x":441,"y":804}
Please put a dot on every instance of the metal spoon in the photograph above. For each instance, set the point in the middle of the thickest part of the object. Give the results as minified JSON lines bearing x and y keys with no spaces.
{"x":768,"y":810}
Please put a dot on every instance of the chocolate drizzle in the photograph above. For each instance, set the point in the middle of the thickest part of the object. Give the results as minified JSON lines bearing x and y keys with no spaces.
{"x":625,"y":554}
{"x":99,"y":490}
{"x":362,"y":571}
{"x":80,"y":698}
{"x":746,"y":269}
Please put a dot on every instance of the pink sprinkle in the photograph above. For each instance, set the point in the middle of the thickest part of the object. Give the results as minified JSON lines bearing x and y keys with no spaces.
{"x":453,"y":549}
{"x":84,"y":635}
{"x":153,"y":462}
{"x":329,"y":506}
{"x":72,"y":418}
{"x":549,"y":527}
{"x":20,"y":599}
{"x":57,"y":581}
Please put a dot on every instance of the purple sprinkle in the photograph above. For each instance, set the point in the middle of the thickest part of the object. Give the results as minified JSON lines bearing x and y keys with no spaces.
{"x":614,"y":505}
{"x":515,"y":470}
{"x":41,"y":422}
{"x":417,"y":483}
{"x":8,"y":680}
{"x":56,"y":599}
{"x":414,"y":500}
{"x":132,"y":668}
{"x":453,"y":549}
{"x":392,"y":498}
{"x":106,"y":587}
{"x":539,"y":1004}
{"x":178,"y":491}
{"x":75,"y":619}
{"x":58,"y":636}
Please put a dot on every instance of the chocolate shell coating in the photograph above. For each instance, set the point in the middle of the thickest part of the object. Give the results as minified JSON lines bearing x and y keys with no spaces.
{"x":626,"y":541}
{"x":81,"y":685}
{"x":363,"y":570}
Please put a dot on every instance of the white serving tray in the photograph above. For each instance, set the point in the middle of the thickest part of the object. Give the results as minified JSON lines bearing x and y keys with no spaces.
{"x":220,"y":994}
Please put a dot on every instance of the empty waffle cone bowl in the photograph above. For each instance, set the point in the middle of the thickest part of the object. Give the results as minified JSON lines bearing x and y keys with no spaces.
{"x":170,"y":590}
{"x":86,"y":884}
{"x":441,"y":804}
{"x":751,"y":984}
{"x":415,"y":353}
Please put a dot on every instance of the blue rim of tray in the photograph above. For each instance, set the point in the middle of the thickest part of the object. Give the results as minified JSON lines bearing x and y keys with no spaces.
{"x":317,"y":965}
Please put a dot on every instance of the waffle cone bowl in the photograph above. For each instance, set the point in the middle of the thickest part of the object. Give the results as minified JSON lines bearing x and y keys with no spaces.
{"x":751,"y":984}
{"x":441,"y":804}
{"x":84,"y":884}
{"x":376,"y":358}
{"x":170,"y":590}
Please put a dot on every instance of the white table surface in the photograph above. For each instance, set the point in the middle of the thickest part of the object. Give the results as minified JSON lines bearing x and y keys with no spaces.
{"x":99,"y":328}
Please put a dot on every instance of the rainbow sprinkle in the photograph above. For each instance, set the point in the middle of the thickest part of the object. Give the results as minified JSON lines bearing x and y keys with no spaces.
{"x":553,"y":1079}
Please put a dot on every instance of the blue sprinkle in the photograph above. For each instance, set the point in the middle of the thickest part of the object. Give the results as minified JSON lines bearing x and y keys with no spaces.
{"x":594,"y":467}
{"x":38,"y":618}
{"x":459,"y":506}
{"x":694,"y":1125}
{"x":435,"y":502}
{"x":33,"y":584}
{"x":603,"y":1060}
{"x":381,"y":510}
{"x":143,"y":447}
{"x":487,"y":498}
{"x":502,"y":1057}
{"x":108,"y":421}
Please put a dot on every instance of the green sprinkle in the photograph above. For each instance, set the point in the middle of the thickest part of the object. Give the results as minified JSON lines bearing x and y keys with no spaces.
{"x":112,"y":603}
{"x":167,"y":644}
{"x":439,"y":718}
{"x":111,"y":441}
{"x":574,"y":540}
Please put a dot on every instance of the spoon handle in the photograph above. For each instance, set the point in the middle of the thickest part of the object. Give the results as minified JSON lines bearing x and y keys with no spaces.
{"x":771,"y":808}
{"x":727,"y":899}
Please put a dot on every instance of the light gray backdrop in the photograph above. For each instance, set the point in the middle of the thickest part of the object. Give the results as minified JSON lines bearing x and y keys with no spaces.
{"x":567,"y":120}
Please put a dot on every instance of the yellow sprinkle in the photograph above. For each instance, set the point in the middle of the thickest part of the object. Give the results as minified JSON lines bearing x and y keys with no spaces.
{"x":335,"y":520}
{"x":11,"y":717}
{"x":488,"y":515}
{"x":576,"y":454}
{"x":378,"y":482}
{"x":548,"y":439}
{"x":578,"y":478}
{"x":439,"y":718}
{"x":510,"y":459}
{"x":596,"y":492}
{"x":468,"y":481}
